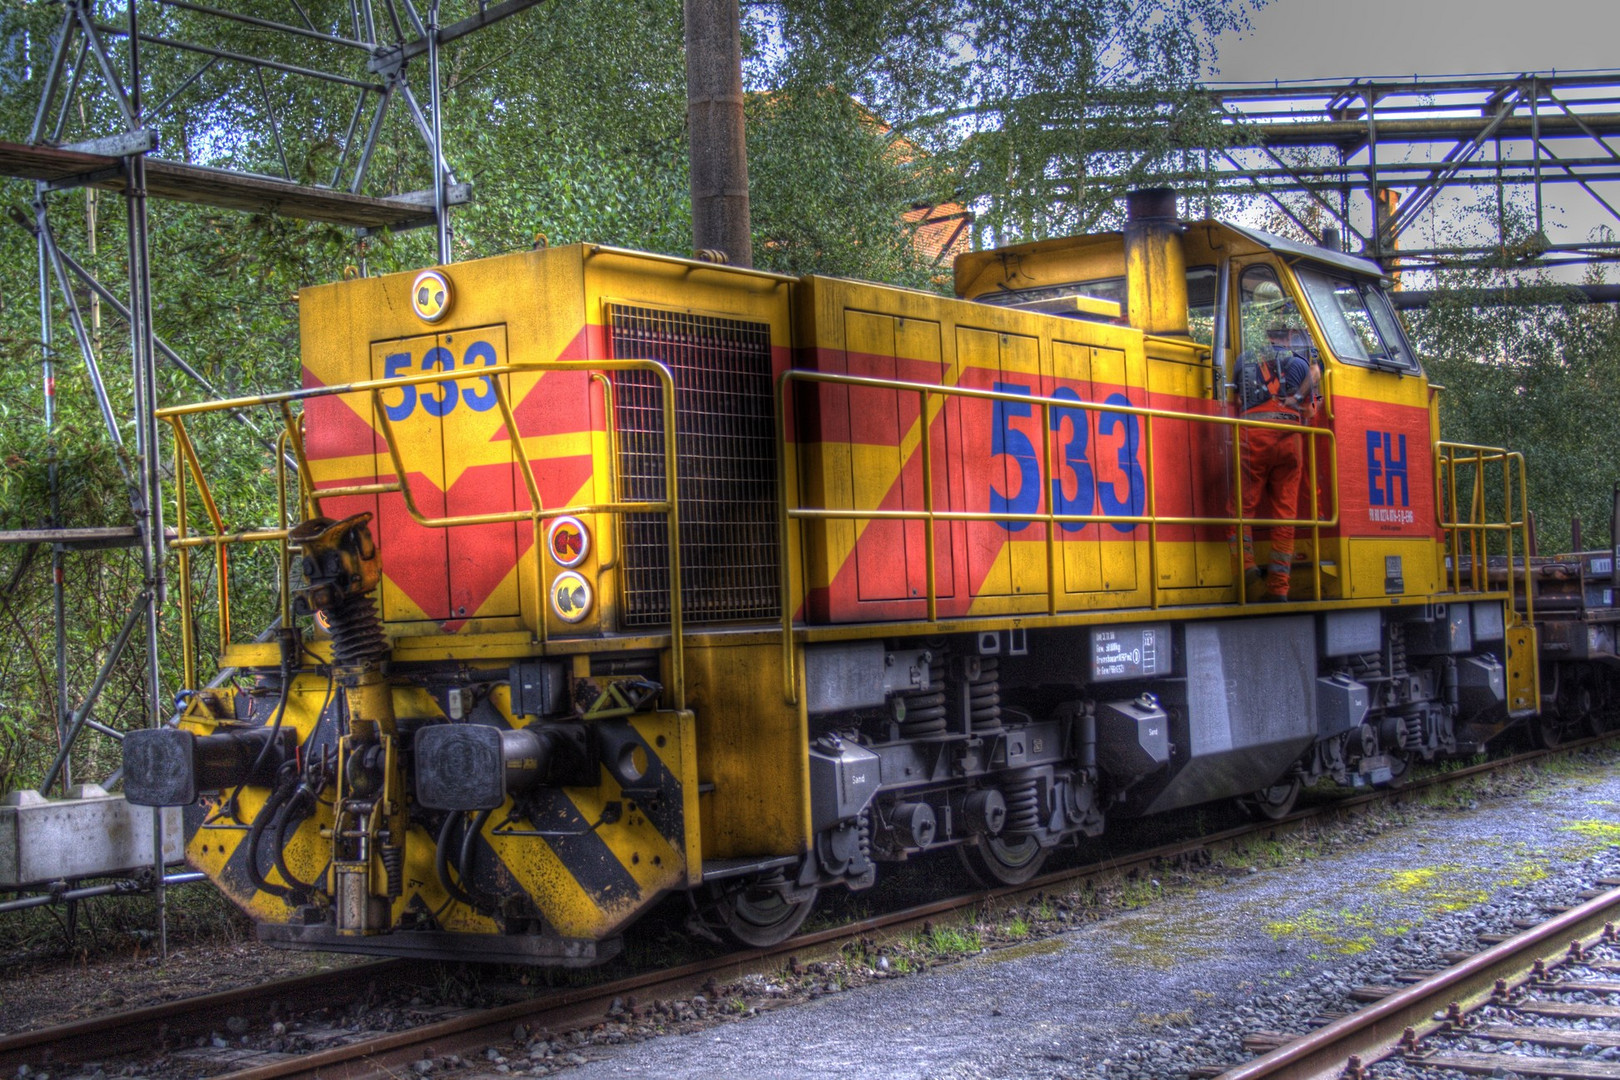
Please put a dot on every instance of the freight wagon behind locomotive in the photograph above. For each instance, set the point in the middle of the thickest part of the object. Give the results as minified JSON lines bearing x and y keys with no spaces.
{"x":608,"y":574}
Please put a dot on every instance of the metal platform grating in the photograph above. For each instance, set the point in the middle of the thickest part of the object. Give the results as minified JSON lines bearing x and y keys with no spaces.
{"x":725,"y":461}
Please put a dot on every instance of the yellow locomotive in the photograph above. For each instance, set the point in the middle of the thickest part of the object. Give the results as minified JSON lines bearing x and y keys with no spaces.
{"x":610,"y":574}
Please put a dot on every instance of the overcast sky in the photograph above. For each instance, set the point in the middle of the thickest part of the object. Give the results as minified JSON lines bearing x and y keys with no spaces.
{"x":1301,"y":39}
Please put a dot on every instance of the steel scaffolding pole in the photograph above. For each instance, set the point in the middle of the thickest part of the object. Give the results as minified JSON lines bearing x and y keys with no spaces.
{"x":80,"y":63}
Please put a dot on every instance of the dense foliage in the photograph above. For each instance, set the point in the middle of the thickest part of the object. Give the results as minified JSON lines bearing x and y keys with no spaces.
{"x":569,"y":120}
{"x":1535,"y":368}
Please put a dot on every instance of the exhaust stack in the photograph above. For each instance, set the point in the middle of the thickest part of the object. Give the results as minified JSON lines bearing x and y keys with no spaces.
{"x":1155,"y":263}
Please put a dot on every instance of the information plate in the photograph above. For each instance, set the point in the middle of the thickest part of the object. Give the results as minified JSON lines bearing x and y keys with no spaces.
{"x":1130,"y":652}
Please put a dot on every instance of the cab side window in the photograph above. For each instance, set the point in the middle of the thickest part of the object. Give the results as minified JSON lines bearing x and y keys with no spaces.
{"x":1266,"y":314}
{"x":1201,"y":304}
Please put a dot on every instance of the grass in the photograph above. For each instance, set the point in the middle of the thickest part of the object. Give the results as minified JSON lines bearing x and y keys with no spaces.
{"x":949,"y":942}
{"x":1140,"y":892}
{"x":197,"y":915}
{"x":1155,"y":1021}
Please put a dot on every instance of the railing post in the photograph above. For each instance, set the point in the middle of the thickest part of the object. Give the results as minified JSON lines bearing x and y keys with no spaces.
{"x":1050,"y":484}
{"x":925,"y":448}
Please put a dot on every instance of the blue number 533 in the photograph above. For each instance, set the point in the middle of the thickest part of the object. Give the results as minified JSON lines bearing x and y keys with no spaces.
{"x":1008,"y":440}
{"x":449,"y":394}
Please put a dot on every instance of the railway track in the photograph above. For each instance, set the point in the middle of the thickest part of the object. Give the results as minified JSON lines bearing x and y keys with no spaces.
{"x":1514,"y":998}
{"x":189,"y":1027}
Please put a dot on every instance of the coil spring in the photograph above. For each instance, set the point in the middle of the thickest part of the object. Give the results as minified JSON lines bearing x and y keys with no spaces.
{"x":984,"y":697}
{"x":1397,"y":650}
{"x":357,"y":631}
{"x":863,"y":834}
{"x":1414,"y":730}
{"x":1367,"y":666}
{"x":1023,"y":797}
{"x":925,"y":712}
{"x":393,"y":860}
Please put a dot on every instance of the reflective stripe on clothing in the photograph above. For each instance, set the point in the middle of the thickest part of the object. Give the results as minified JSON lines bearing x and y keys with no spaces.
{"x":1272,"y":464}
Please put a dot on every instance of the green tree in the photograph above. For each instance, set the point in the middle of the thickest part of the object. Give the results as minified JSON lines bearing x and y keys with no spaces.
{"x":1037,"y":113}
{"x":569,"y":119}
{"x":1534,"y":368}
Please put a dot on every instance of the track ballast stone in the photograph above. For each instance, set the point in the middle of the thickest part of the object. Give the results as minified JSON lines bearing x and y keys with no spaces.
{"x":1155,"y":992}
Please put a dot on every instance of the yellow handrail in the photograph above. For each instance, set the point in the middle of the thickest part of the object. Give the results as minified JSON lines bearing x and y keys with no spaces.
{"x":310,"y":496}
{"x":1477,"y":527}
{"x":1152,"y":519}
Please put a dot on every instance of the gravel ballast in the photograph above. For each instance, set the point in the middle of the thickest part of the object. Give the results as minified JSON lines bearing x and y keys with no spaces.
{"x":1157,"y":991}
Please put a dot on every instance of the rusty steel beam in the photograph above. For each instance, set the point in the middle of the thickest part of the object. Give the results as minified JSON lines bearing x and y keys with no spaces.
{"x":1420,"y":130}
{"x":1591,"y":294}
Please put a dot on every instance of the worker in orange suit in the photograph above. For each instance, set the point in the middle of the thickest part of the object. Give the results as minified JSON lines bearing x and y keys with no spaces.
{"x":1279,"y":388}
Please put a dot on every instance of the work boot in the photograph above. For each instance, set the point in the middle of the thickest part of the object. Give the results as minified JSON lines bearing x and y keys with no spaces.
{"x":1254,"y":585}
{"x":1276,"y":588}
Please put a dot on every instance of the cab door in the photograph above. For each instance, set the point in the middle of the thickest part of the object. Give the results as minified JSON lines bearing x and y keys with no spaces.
{"x":1378,"y":410}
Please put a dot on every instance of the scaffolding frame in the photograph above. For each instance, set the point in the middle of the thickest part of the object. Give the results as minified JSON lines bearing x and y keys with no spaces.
{"x":1386,"y":150}
{"x":95,"y":59}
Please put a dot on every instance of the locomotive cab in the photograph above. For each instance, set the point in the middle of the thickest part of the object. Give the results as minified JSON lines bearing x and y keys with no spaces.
{"x":1225,"y":288}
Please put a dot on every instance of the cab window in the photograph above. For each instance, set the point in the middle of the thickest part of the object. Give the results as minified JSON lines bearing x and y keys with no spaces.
{"x":1268,"y":316}
{"x":1357,"y":320}
{"x":1201,"y":304}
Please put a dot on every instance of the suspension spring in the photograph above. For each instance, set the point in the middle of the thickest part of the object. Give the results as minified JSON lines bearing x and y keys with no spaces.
{"x":1367,"y":667}
{"x":393,"y":860}
{"x":1023,"y":796}
{"x":984,"y":697}
{"x":357,"y":631}
{"x":1414,"y":729}
{"x":863,"y":834}
{"x":1397,"y":650}
{"x":925,"y":712}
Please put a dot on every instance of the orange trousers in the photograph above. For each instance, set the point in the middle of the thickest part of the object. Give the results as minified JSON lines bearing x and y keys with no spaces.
{"x":1271,"y":463}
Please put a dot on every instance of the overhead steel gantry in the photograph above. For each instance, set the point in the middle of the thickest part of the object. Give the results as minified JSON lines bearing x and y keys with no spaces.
{"x":101,"y":65}
{"x":1370,"y":157}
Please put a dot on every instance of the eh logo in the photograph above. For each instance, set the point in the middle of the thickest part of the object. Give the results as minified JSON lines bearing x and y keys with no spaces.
{"x":1386,"y":469}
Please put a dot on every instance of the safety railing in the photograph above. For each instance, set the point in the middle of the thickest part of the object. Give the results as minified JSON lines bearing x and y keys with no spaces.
{"x":310,"y":496}
{"x":1151,"y":518}
{"x":1473,"y":534}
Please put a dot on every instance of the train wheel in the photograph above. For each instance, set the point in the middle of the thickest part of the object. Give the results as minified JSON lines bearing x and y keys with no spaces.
{"x":1550,"y":729}
{"x":758,"y":914}
{"x":1400,"y":768}
{"x":1275,"y":802}
{"x":993,"y":861}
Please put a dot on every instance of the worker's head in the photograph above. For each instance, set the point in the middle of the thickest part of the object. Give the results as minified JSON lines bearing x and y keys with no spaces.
{"x":1268,"y":294}
{"x":1283,"y":336}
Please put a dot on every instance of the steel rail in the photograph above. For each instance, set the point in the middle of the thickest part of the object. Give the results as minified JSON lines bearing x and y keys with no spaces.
{"x":134,"y":1030}
{"x":562,"y":1011}
{"x":1409,"y":1014}
{"x":384,"y":1057}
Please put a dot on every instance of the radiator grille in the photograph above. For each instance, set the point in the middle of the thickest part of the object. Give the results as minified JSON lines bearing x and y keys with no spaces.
{"x":725,"y":461}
